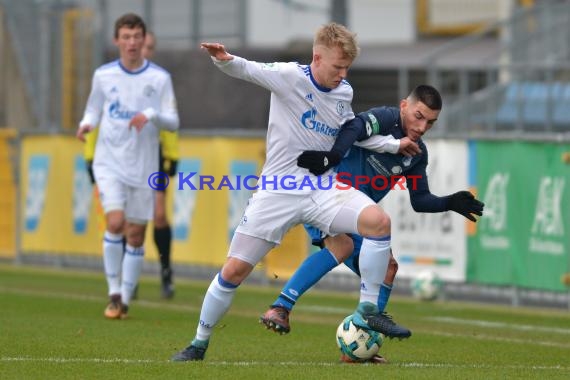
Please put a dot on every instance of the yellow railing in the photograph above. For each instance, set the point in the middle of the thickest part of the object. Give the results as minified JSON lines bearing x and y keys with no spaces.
{"x":7,"y":195}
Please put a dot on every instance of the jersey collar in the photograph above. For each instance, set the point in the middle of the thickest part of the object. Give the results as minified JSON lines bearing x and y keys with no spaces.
{"x":144,"y":66}
{"x":318,"y":86}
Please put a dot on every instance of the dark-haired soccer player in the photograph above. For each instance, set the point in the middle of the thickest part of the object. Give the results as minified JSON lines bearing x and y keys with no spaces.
{"x":131,"y":100}
{"x":415,"y":116}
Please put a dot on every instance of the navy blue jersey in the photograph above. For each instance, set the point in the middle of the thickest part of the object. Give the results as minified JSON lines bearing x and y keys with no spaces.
{"x":375,"y":174}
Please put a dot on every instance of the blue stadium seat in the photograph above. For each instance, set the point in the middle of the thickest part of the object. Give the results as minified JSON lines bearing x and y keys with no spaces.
{"x":507,"y":114}
{"x":561,"y":112}
{"x":535,"y":104}
{"x":532,"y":103}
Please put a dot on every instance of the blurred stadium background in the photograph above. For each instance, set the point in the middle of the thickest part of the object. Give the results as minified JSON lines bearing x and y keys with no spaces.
{"x":503,"y":67}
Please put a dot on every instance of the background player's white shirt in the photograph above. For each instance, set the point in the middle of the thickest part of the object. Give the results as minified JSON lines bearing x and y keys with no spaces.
{"x":116,"y":96}
{"x":303,"y":116}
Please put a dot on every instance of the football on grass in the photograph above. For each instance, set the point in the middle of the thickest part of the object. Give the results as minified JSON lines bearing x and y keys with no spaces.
{"x":357,"y":343}
{"x":427,"y":286}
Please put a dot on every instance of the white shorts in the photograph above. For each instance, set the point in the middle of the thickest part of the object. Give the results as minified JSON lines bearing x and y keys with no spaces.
{"x":270,"y":215}
{"x":136,"y":202}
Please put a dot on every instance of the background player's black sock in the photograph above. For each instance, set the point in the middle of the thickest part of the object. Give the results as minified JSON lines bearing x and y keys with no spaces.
{"x":163,"y":239}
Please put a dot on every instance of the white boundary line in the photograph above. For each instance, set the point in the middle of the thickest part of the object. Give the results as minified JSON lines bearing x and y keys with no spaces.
{"x":80,"y":360}
{"x":284,"y":364}
{"x":502,"y":325}
{"x":499,"y":339}
{"x":99,"y":299}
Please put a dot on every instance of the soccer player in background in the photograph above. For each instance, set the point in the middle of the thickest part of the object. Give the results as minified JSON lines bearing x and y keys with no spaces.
{"x":168,"y":160}
{"x":309,"y":103}
{"x":130,"y":100}
{"x":415,"y":116}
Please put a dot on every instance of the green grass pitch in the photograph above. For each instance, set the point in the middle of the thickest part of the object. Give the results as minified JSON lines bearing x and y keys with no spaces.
{"x":52,"y":327}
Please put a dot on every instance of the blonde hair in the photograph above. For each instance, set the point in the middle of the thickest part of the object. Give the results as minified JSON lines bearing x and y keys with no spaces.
{"x":333,"y":34}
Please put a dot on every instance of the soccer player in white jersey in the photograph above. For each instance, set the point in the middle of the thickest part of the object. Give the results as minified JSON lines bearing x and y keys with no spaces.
{"x":131,"y":99}
{"x":309,"y":103}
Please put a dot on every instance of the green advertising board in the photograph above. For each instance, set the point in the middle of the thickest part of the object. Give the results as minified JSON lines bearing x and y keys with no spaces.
{"x":523,"y":238}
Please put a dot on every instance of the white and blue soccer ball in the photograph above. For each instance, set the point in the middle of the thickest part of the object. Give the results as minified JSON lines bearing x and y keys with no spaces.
{"x":427,"y":286}
{"x":357,"y":343}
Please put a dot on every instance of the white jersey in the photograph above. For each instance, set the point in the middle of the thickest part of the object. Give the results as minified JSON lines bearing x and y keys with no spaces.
{"x":116,"y":96}
{"x":303,"y":116}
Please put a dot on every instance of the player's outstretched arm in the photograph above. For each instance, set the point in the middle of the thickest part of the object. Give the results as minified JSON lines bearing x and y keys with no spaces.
{"x":354,"y":132}
{"x":389,"y":144}
{"x":318,"y":162}
{"x":422,"y":200}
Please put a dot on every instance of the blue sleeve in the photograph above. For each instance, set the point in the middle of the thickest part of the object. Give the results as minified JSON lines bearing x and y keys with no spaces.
{"x":421,"y":198}
{"x":372,"y":122}
{"x":378,"y":121}
{"x":351,"y":131}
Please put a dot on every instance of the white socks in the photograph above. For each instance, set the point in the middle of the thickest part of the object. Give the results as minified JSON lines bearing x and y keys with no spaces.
{"x":373,"y":263}
{"x":216,"y":303}
{"x":132,"y":267}
{"x":118,"y":265}
{"x":112,"y":260}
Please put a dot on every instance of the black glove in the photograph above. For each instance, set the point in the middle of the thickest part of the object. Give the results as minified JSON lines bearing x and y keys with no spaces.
{"x":318,"y":161}
{"x":168,"y":166}
{"x":464,"y":203}
{"x":89,"y":166}
{"x":172,"y":168}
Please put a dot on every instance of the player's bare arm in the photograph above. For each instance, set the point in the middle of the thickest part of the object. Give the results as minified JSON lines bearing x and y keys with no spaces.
{"x":217,"y":51}
{"x":82,"y":131}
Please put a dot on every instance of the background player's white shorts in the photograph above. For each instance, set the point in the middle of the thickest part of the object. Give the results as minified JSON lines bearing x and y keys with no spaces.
{"x":136,"y":202}
{"x":270,"y":215}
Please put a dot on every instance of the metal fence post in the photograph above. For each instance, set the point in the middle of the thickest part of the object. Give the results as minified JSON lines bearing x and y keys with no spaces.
{"x":44,"y":66}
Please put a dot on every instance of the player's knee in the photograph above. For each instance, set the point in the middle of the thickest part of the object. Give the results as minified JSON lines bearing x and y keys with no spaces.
{"x":160,"y":221}
{"x":135,"y":234}
{"x":385,"y":224}
{"x":235,"y":271}
{"x":115,"y":226}
{"x":373,"y":222}
{"x":135,"y":240}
